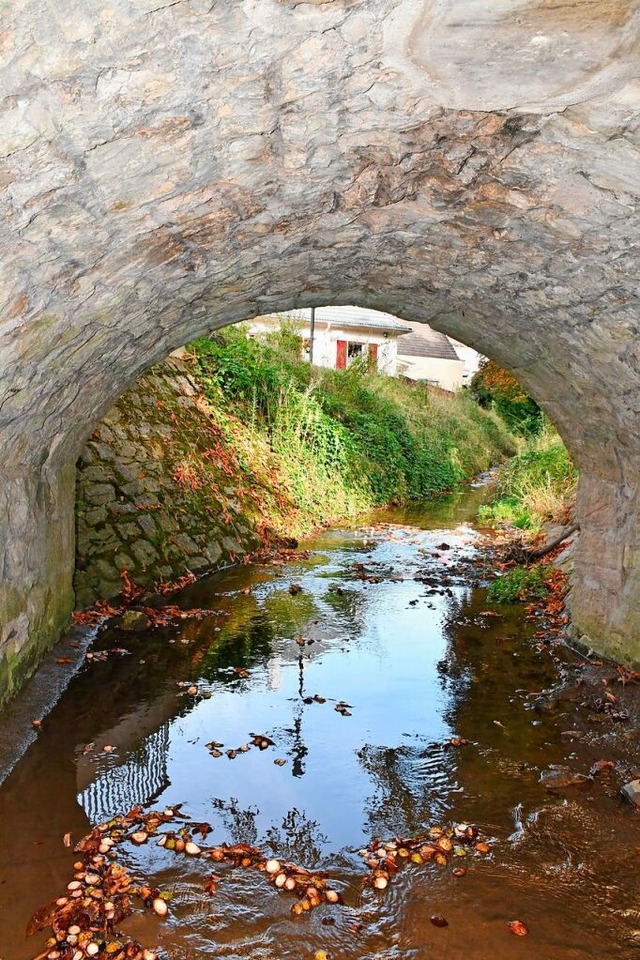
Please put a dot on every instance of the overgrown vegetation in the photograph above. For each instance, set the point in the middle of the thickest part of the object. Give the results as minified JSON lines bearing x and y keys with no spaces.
{"x":536,"y":486}
{"x":322,"y":444}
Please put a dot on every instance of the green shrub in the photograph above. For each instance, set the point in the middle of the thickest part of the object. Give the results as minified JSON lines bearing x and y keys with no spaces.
{"x":520,"y":584}
{"x":536,"y":486}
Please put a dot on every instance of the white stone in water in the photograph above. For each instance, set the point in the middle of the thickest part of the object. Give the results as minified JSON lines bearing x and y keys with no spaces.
{"x":160,"y":907}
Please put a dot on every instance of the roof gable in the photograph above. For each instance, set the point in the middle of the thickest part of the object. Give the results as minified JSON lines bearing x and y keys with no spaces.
{"x":424,"y":341}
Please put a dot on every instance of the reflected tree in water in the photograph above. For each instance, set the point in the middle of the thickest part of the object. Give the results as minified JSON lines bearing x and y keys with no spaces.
{"x":298,"y":839}
{"x":240,"y":824}
{"x":408,"y":782}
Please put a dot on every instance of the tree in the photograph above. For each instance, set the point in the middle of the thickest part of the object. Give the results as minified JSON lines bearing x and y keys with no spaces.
{"x":493,"y":387}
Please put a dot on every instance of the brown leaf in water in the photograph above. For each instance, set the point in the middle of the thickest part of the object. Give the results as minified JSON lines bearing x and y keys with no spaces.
{"x":64,"y":660}
{"x":439,"y":921}
{"x":517,"y":928}
{"x":67,"y":839}
{"x":211,"y":884}
{"x":42,"y":918}
{"x":601,"y":766}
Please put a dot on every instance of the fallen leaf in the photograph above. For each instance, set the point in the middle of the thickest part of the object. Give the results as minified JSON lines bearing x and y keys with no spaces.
{"x":599,"y":766}
{"x":439,"y":921}
{"x":67,"y":839}
{"x":517,"y":928}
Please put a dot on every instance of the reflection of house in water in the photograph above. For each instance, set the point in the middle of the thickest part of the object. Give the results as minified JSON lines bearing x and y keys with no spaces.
{"x":139,"y":780}
{"x":137,"y":770}
{"x":274,"y":673}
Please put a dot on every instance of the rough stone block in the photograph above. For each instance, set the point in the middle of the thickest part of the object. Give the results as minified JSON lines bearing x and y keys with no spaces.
{"x":123,"y":472}
{"x":143,"y":552}
{"x":185,"y":543}
{"x":165,"y":521}
{"x":129,"y":531}
{"x":147,"y":525}
{"x":95,"y":516}
{"x":120,"y":509}
{"x":232,"y":546}
{"x":123,"y":561}
{"x":213,"y":551}
{"x":101,"y":450}
{"x":99,"y":493}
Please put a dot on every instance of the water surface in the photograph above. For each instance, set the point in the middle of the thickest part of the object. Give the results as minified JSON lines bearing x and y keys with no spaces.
{"x":395,"y":623}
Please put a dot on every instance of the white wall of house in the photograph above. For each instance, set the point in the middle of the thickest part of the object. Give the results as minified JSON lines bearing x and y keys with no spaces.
{"x":325,"y":346}
{"x":327,"y":335}
{"x":470,"y":357}
{"x":446,"y":374}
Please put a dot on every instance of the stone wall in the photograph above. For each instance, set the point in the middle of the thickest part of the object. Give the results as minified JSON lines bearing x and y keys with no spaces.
{"x":134,"y":510}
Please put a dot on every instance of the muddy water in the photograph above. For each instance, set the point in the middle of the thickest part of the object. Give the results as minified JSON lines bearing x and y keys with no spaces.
{"x":419,"y":661}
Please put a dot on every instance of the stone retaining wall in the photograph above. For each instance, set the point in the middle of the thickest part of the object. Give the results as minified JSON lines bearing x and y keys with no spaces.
{"x":134,"y":512}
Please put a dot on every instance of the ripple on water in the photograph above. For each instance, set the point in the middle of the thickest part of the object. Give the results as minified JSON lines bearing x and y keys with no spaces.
{"x":419,"y":665}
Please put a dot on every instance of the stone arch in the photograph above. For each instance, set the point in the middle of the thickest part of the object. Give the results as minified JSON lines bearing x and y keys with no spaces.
{"x":172,"y":167}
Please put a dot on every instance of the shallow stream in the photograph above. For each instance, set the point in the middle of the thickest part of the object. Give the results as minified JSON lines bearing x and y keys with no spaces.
{"x":391,"y":619}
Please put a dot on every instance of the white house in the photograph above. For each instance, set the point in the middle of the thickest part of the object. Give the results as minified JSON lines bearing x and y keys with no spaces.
{"x":344,"y":334}
{"x":470,"y":357}
{"x":428,"y":355}
{"x":397,"y":347}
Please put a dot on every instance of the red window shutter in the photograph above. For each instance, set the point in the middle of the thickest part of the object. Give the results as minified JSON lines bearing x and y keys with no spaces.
{"x":373,"y":355}
{"x":341,"y":355}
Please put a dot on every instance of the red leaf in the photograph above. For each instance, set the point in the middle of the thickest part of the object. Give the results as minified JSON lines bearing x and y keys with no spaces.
{"x":517,"y":928}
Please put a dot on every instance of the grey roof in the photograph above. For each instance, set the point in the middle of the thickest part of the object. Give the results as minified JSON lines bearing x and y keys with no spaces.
{"x":423,"y":341}
{"x":353,"y":317}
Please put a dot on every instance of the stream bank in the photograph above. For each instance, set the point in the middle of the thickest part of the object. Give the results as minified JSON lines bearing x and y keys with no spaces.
{"x":240,"y":445}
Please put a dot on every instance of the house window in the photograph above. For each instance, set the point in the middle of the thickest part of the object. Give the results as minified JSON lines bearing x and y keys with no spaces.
{"x":355,"y":351}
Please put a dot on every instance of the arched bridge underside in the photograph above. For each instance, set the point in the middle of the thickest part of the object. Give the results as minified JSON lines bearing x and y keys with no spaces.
{"x":172,"y":166}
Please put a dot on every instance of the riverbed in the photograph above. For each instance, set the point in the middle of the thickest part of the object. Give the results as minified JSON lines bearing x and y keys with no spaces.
{"x":395,"y":699}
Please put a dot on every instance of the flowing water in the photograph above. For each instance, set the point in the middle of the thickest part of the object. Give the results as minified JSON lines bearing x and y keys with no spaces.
{"x":395,"y":619}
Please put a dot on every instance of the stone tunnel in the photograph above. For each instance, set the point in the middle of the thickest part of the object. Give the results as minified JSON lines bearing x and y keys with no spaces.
{"x":169,"y":167}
